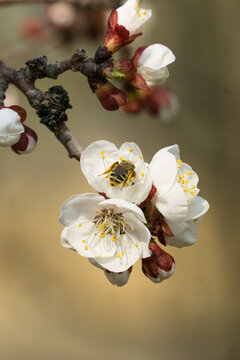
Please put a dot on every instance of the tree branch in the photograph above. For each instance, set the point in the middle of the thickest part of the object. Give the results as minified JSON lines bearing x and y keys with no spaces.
{"x":50,"y":105}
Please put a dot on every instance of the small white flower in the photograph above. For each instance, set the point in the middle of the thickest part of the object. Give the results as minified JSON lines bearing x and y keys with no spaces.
{"x":176,"y":197}
{"x":111,"y":232}
{"x":11,"y":127}
{"x":132,"y":17}
{"x":119,"y":173}
{"x":152,"y":64}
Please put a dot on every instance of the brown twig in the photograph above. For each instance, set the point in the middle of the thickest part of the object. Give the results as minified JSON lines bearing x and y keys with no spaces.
{"x":51,"y":106}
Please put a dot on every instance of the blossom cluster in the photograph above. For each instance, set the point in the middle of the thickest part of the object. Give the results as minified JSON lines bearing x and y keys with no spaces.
{"x":138,"y":207}
{"x":148,"y":67}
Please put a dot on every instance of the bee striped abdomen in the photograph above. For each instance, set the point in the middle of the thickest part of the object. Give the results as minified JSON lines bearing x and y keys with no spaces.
{"x":116,"y":179}
{"x":121,"y":173}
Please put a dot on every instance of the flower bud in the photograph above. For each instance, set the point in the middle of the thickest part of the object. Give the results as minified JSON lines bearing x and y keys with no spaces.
{"x":11,"y":125}
{"x":159,"y":266}
{"x":109,"y":96}
{"x":151,"y":63}
{"x":26,"y":143}
{"x":119,"y":279}
{"x":125,"y":24}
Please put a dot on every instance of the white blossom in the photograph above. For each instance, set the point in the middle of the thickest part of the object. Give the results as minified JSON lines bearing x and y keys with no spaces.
{"x":11,"y":127}
{"x":132,"y":17}
{"x":110,"y":232}
{"x":152,"y":64}
{"x":177,"y":195}
{"x":97,"y":160}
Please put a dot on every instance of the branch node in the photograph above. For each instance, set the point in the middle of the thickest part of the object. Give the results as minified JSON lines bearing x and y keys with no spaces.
{"x":36,"y":67}
{"x":52,"y":107}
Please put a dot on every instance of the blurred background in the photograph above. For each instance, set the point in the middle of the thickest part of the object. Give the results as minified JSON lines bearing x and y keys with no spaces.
{"x":54,"y":304}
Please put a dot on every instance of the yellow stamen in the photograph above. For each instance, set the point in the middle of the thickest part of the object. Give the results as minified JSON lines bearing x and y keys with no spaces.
{"x":121,"y":158}
{"x":137,"y":4}
{"x":143,"y":174}
{"x":118,"y":255}
{"x":83,"y":241}
{"x":102,"y":152}
{"x":86,"y":247}
{"x":179,"y":161}
{"x":131,"y":150}
{"x":123,"y":253}
{"x":114,"y":239}
{"x":80,"y":225}
{"x":144,"y":13}
{"x":136,"y":245}
{"x":103,"y":157}
{"x":189,"y":173}
{"x":141,"y":157}
{"x":179,"y":166}
{"x":139,"y":15}
{"x":102,"y":235}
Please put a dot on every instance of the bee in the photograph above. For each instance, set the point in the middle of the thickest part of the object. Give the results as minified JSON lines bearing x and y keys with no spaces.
{"x":120,"y":173}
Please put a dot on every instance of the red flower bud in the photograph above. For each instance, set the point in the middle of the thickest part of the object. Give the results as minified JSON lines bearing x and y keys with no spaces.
{"x":117,"y":35}
{"x":109,"y":96}
{"x":159,"y":266}
{"x":26,"y":143}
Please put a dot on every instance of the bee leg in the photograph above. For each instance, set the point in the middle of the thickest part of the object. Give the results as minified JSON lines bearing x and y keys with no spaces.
{"x":131,"y":172}
{"x":110,"y":169}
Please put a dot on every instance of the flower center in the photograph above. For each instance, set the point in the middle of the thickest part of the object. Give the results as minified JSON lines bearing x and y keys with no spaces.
{"x":110,"y":223}
{"x":187,"y":182}
{"x":121,"y":173}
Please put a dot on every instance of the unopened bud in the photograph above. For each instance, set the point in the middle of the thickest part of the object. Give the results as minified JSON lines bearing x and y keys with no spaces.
{"x":159,"y":266}
{"x":110,"y":96}
{"x":26,"y":143}
{"x":119,"y":279}
{"x":11,"y":125}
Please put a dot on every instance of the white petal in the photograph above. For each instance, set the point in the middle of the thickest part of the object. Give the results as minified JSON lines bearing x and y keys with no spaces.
{"x":79,"y":206}
{"x":95,"y":160}
{"x":164,"y":170}
{"x":153,"y":77}
{"x":156,"y":56}
{"x":9,"y":140}
{"x":198,"y":207}
{"x":140,"y":235}
{"x":173,"y":205}
{"x":122,"y":206}
{"x":174,"y":150}
{"x":11,"y":127}
{"x":87,"y":244}
{"x":132,"y":18}
{"x":64,"y":240}
{"x":184,"y":234}
{"x":118,"y":279}
{"x":127,"y":255}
